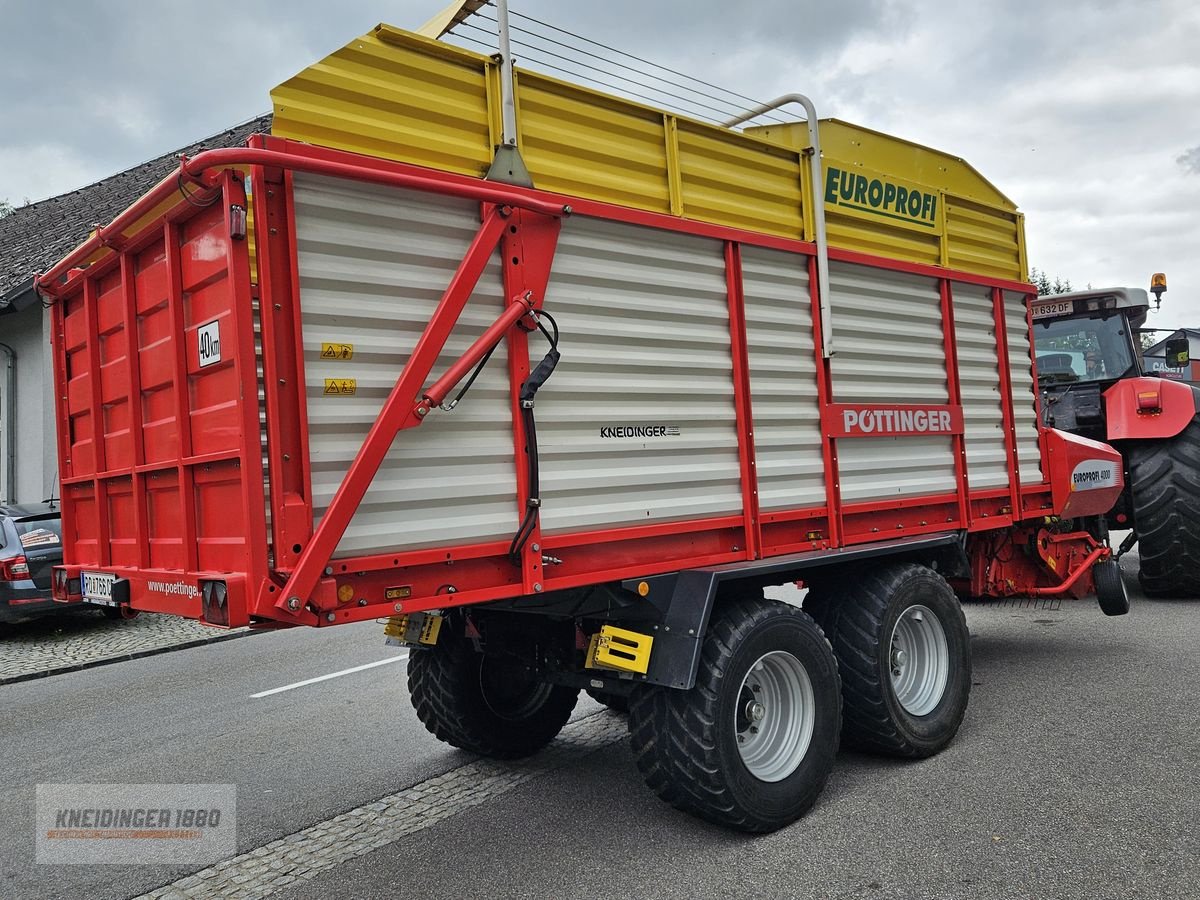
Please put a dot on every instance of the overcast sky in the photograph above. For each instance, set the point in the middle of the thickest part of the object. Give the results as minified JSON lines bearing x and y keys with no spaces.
{"x":1085,"y":114}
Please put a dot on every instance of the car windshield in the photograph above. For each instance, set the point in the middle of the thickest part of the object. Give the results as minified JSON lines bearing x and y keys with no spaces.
{"x":1070,"y":350}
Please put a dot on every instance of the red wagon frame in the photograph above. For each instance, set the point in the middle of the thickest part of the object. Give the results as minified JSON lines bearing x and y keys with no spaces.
{"x":109,"y":497}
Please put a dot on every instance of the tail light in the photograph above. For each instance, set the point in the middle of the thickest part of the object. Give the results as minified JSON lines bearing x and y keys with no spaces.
{"x":214,"y":602}
{"x":1149,"y":401}
{"x":15,"y":569}
{"x":62,"y":587}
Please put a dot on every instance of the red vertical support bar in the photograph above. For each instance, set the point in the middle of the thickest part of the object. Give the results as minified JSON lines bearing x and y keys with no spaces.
{"x":304,"y":531}
{"x":512,"y":247}
{"x":1006,"y":398}
{"x":527,"y":251}
{"x":743,"y":405}
{"x":954,"y":390}
{"x":1037,"y":394}
{"x":182,"y":392}
{"x":233,"y":193}
{"x":833,"y":492}
{"x":137,"y":444}
{"x":91,"y":330}
{"x":283,"y":381}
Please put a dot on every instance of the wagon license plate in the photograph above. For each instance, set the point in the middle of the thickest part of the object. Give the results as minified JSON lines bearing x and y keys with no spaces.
{"x":98,"y":588}
{"x":1057,"y":308}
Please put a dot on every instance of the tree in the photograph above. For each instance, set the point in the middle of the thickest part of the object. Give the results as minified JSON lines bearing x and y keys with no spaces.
{"x":6,"y":209}
{"x":1044,"y":285}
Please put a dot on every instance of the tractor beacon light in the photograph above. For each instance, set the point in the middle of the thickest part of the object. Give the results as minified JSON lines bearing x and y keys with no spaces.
{"x":1158,"y":287}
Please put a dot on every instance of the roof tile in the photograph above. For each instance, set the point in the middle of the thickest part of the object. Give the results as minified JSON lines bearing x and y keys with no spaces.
{"x":34,"y":237}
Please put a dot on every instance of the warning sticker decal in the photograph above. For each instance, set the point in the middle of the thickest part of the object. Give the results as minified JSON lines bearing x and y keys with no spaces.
{"x":336,"y":351}
{"x":340,"y":386}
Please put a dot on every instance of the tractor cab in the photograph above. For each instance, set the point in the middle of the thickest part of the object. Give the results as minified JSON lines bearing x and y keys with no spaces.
{"x":1085,"y":341}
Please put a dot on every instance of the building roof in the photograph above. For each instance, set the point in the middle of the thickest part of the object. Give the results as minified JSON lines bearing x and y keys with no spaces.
{"x":1190,"y":333}
{"x":36,"y":236}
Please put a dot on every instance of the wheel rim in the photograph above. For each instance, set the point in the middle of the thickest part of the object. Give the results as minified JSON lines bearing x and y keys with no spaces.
{"x":919,"y":659}
{"x":775,"y":716}
{"x":510,"y":693}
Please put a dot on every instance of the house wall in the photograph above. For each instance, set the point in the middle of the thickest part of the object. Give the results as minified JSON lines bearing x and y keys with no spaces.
{"x":27,"y":333}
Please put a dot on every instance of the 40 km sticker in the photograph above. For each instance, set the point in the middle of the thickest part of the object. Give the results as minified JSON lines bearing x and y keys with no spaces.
{"x":1094,"y":474}
{"x":340,"y":386}
{"x":208,"y":343}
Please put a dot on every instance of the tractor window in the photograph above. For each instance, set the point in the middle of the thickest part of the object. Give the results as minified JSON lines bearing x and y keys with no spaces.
{"x":1082,"y":349}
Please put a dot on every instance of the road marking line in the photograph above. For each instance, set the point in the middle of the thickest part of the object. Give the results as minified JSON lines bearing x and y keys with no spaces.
{"x":308,"y":681}
{"x":302,"y":856}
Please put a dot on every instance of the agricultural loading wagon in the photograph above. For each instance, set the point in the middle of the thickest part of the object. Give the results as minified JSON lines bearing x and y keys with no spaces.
{"x":557,"y":383}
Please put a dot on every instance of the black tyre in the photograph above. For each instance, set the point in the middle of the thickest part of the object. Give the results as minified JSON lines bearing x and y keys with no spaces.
{"x":816,"y":602}
{"x":484,"y":705}
{"x":751,"y":745}
{"x":1110,"y":588}
{"x":120,"y":613}
{"x":616,"y":702}
{"x":1164,"y":481}
{"x":904,"y":653}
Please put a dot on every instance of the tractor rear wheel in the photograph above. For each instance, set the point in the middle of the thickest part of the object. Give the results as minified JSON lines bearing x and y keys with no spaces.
{"x":485,"y":704}
{"x":751,"y":745}
{"x":1164,"y":481}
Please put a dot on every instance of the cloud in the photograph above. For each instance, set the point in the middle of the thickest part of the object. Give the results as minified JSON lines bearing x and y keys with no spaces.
{"x":121,"y":82}
{"x":38,"y":170}
{"x":1076,"y":110}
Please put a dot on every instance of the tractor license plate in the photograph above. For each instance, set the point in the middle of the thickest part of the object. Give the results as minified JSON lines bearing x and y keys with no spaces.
{"x":98,"y":588}
{"x":1056,"y":308}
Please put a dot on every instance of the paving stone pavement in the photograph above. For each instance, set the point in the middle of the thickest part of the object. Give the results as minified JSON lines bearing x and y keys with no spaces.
{"x":77,"y":640}
{"x":307,"y":853}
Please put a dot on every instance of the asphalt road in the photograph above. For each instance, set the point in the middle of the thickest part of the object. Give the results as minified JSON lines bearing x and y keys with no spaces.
{"x":187,"y":717}
{"x":1074,"y":775}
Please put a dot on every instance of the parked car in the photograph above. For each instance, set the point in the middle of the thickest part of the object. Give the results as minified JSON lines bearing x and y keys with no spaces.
{"x":30,"y":545}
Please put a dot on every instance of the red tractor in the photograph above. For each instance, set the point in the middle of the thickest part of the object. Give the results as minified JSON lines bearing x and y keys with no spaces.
{"x":1090,"y":372}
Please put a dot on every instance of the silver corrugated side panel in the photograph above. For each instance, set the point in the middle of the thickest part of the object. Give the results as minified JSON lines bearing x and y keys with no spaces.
{"x":783,"y":379}
{"x":979,"y":382}
{"x":1024,"y":392}
{"x":645,"y":345}
{"x":374,"y":263}
{"x":887,"y":336}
